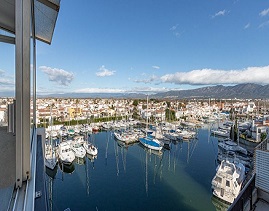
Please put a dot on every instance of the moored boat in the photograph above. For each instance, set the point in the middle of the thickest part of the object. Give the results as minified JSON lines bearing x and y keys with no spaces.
{"x":151,"y":143}
{"x":65,"y":154}
{"x":228,"y":180}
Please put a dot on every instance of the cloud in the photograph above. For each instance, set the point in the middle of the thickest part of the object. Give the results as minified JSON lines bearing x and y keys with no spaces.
{"x":129,"y":90}
{"x":247,"y":26}
{"x":177,"y":34}
{"x":148,"y":80}
{"x":264,"y":12}
{"x":104,"y":72}
{"x":219,"y":13}
{"x":155,"y":67}
{"x":99,"y":90}
{"x":173,"y":28}
{"x":175,"y":31}
{"x":148,"y":89}
{"x":264,"y":24}
{"x":58,"y":76}
{"x":5,"y":80}
{"x":212,"y":77}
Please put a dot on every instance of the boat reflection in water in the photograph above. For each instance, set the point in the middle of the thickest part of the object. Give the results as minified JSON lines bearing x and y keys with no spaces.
{"x":80,"y":161}
{"x":92,"y":159}
{"x":52,"y":172}
{"x":219,"y":204}
{"x":69,"y":169}
{"x":175,"y":179}
{"x":153,"y":160}
{"x":50,"y":179}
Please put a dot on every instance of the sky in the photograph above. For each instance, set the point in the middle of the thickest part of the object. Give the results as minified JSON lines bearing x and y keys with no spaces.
{"x":118,"y":46}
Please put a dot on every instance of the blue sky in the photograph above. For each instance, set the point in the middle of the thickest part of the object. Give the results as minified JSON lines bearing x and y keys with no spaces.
{"x":150,"y":46}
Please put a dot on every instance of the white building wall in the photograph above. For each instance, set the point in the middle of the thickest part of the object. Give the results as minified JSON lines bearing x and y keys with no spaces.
{"x":2,"y":116}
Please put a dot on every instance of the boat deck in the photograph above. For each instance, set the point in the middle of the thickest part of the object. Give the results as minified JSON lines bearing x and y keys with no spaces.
{"x":8,"y":167}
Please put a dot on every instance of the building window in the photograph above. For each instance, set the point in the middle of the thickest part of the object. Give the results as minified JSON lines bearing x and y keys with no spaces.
{"x":227,"y":183}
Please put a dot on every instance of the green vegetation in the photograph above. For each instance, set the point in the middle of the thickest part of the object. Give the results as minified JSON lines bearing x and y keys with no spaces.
{"x":263,"y":136}
{"x":170,"y":115}
{"x":83,"y":121}
{"x":135,"y":103}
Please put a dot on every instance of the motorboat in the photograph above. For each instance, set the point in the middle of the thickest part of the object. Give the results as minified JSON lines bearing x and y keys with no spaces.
{"x":77,"y":146}
{"x":228,"y":180}
{"x":229,"y":145}
{"x":65,"y":154}
{"x":221,"y":132}
{"x":90,"y":149}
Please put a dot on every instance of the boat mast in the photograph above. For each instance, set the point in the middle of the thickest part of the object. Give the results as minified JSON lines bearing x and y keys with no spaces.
{"x":147,"y":115}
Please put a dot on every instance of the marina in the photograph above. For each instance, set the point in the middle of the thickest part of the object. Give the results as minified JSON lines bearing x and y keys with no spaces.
{"x":134,"y":177}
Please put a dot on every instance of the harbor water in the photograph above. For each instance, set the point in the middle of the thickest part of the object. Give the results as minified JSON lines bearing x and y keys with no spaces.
{"x":134,"y":178}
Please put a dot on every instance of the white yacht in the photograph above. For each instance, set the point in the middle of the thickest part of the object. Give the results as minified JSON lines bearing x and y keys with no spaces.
{"x":63,"y":132}
{"x":221,"y":132}
{"x":77,"y":146}
{"x":228,"y":145}
{"x":90,"y":149}
{"x":65,"y":154}
{"x":228,"y":180}
{"x":171,"y":135}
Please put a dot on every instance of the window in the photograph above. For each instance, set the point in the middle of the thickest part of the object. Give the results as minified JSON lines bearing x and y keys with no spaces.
{"x":218,"y":179}
{"x":227,"y":183}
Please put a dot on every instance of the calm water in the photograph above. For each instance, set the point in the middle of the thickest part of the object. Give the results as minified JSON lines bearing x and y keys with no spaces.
{"x":132,"y":178}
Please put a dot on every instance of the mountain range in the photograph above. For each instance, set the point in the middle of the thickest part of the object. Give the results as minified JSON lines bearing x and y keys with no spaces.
{"x":241,"y":91}
{"x":245,"y":91}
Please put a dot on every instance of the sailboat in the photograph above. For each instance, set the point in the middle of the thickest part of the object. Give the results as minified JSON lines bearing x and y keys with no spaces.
{"x":90,"y":148}
{"x":150,"y":142}
{"x":50,"y":154}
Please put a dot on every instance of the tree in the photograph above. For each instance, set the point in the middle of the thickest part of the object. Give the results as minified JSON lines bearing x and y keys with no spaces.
{"x":170,"y":114}
{"x":263,"y":136}
{"x":168,"y":104}
{"x":135,"y":103}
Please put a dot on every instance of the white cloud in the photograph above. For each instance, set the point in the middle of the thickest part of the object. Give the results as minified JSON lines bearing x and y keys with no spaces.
{"x":247,"y":26}
{"x":146,"y":80}
{"x":177,"y":34}
{"x":155,"y":67}
{"x":59,"y":76}
{"x":148,"y":89}
{"x":104,"y":72}
{"x":5,"y":80}
{"x":264,"y":24}
{"x":209,"y":76}
{"x":264,"y":12}
{"x":219,"y":13}
{"x":129,"y":90}
{"x":173,"y":28}
{"x":99,"y":90}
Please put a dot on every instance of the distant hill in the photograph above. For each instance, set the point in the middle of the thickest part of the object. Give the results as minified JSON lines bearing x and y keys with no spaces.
{"x":96,"y":95}
{"x":247,"y":91}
